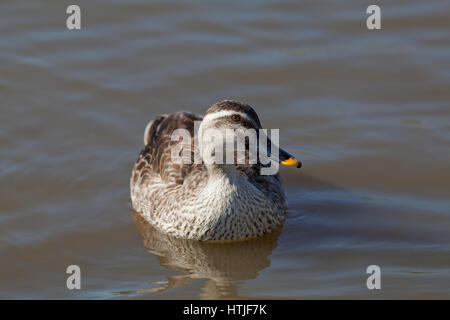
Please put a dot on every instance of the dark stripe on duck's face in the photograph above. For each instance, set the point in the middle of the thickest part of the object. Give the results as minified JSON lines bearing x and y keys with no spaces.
{"x":236,"y":106}
{"x":246,"y":123}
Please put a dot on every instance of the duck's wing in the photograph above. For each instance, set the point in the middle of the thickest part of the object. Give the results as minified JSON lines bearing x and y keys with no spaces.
{"x":155,"y":160}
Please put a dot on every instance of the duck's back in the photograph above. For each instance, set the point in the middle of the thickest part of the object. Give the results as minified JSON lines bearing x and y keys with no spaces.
{"x":155,"y":171}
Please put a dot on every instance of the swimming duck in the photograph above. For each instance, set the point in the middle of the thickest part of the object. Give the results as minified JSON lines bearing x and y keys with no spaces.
{"x":206,"y":200}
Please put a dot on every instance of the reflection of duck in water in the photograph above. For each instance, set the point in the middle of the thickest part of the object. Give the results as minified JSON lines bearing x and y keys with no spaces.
{"x":223,"y":264}
{"x":210,"y":200}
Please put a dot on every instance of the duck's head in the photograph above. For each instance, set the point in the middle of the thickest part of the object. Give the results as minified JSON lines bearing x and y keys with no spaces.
{"x":234,"y":122}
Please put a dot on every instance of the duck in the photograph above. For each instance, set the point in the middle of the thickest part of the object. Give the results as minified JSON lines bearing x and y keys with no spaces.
{"x":180,"y":188}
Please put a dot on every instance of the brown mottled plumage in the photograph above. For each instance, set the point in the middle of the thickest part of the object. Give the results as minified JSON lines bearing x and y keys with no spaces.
{"x":204,"y":201}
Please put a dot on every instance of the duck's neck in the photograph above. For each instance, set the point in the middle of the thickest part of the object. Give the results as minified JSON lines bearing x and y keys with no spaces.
{"x":222,"y":171}
{"x":233,"y":204}
{"x":225,"y":187}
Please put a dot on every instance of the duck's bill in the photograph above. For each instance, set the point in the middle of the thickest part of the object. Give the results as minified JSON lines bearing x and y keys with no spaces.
{"x":288,"y":159}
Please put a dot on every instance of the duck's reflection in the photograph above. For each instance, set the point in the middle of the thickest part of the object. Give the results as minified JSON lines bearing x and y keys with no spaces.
{"x":222,"y":264}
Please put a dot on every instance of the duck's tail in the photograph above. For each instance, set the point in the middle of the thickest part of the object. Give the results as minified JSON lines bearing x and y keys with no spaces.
{"x":151,"y":130}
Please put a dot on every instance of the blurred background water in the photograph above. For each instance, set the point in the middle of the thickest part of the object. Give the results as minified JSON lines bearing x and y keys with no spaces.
{"x":368,"y":113}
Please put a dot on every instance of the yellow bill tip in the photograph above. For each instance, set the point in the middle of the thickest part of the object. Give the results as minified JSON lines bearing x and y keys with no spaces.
{"x":291,"y":162}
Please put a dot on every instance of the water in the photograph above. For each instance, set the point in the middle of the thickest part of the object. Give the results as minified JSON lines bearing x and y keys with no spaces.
{"x":366,"y":111}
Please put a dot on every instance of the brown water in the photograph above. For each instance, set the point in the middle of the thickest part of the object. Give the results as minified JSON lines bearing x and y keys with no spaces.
{"x":367,"y":112}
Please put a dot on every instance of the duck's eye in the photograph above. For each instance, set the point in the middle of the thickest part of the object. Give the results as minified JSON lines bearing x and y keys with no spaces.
{"x":236,"y":118}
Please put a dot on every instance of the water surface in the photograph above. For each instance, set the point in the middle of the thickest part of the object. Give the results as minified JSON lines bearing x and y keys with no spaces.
{"x":367,"y":112}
